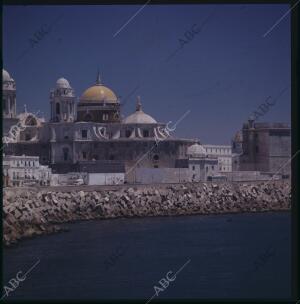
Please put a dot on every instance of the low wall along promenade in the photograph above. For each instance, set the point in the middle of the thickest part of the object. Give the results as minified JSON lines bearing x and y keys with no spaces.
{"x":31,"y":212}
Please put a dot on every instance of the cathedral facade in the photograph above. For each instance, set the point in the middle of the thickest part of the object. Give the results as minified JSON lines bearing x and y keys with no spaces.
{"x":87,"y":130}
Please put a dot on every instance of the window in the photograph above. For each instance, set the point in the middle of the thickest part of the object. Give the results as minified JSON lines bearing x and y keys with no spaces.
{"x":88,"y":117}
{"x":11,"y":104}
{"x":127,"y":133}
{"x":193,"y":168}
{"x":95,"y":157}
{"x":66,"y":154}
{"x":111,"y":157}
{"x":66,"y":134}
{"x":213,"y":167}
{"x":105,"y":116}
{"x":57,"y":108}
{"x":84,"y":134}
{"x":146,"y":133}
{"x":84,"y":155}
{"x":156,"y":157}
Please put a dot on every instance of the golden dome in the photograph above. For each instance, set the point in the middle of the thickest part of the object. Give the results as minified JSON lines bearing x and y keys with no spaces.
{"x":99,"y":93}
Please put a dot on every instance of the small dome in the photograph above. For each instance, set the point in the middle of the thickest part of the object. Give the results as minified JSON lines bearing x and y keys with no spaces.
{"x":196,"y":150}
{"x":29,"y":119}
{"x":63,"y":83}
{"x":5,"y":76}
{"x":139,"y":117}
{"x":238,"y":137}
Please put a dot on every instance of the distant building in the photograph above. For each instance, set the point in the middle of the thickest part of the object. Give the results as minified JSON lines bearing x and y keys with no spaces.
{"x":266,"y":147}
{"x":24,"y":171}
{"x":202,"y":166}
{"x":224,"y":155}
{"x":237,"y":150}
{"x":197,"y":167}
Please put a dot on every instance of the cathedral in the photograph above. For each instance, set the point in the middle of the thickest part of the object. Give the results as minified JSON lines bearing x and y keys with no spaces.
{"x":88,"y":131}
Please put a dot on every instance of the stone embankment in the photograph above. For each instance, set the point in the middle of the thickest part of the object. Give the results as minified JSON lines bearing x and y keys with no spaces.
{"x":33,"y":212}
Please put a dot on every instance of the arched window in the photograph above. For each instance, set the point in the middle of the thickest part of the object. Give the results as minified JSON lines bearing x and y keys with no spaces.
{"x":127,"y":133}
{"x":146,"y":133}
{"x":84,"y":134}
{"x":66,"y":154}
{"x":57,"y":108}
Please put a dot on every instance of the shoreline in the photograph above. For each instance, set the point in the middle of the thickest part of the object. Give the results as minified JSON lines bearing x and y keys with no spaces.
{"x":28,"y":213}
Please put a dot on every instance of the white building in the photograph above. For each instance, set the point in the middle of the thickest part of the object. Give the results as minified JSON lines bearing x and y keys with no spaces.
{"x":24,"y":171}
{"x":202,"y":166}
{"x":223,"y":154}
{"x":162,"y":175}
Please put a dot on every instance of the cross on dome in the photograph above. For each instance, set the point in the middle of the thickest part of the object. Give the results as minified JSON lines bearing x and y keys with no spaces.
{"x":98,"y":79}
{"x":138,"y":104}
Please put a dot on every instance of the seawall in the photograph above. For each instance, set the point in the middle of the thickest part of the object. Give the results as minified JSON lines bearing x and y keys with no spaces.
{"x":30,"y":212}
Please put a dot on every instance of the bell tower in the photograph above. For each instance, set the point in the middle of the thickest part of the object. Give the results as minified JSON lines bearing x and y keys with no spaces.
{"x":9,"y":96}
{"x":62,"y":102}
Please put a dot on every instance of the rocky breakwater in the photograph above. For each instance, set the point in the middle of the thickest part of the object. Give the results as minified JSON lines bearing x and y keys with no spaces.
{"x":33,"y":212}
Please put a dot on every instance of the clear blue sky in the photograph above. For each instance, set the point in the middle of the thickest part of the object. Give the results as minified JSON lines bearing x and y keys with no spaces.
{"x":222,"y":75}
